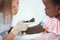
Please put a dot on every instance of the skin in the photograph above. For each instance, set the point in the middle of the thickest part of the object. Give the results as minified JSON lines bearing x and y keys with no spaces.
{"x":51,"y":10}
{"x":15,"y":6}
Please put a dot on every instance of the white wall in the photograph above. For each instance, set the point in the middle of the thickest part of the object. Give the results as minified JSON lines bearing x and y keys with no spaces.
{"x":29,"y":9}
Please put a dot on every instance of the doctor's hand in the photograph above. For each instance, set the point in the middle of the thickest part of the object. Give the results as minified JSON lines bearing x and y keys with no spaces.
{"x":20,"y":26}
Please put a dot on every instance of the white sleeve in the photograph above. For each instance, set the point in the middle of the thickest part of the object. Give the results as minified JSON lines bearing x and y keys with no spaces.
{"x":3,"y":27}
{"x":1,"y":37}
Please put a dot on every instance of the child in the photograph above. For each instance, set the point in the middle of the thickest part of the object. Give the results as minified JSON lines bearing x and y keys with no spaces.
{"x":51,"y":24}
{"x":9,"y":8}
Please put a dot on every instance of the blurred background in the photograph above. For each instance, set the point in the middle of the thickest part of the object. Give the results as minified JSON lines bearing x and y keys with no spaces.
{"x":30,"y":9}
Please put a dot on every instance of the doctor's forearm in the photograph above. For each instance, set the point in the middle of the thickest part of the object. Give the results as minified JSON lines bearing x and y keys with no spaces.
{"x":10,"y":36}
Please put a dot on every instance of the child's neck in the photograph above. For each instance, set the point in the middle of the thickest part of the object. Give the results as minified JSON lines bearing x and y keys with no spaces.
{"x":58,"y":17}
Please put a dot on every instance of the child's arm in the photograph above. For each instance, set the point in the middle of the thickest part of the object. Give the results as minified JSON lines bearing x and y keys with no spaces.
{"x":35,"y":29}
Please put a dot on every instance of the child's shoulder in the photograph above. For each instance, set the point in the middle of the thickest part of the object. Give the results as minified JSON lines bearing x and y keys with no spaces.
{"x":51,"y":20}
{"x":52,"y":24}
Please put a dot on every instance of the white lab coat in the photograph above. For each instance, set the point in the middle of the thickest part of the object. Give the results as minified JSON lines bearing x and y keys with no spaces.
{"x":4,"y":28}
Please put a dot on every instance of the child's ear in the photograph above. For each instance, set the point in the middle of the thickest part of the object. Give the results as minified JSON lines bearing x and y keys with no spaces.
{"x":59,"y":11}
{"x":58,"y":8}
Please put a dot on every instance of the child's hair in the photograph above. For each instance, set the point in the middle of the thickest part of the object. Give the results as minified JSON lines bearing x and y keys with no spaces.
{"x":56,"y":2}
{"x":6,"y":8}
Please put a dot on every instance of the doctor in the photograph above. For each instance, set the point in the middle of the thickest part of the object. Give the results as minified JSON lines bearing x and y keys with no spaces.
{"x":9,"y":8}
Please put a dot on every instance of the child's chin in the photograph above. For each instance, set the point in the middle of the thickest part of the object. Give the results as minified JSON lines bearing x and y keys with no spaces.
{"x":51,"y":16}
